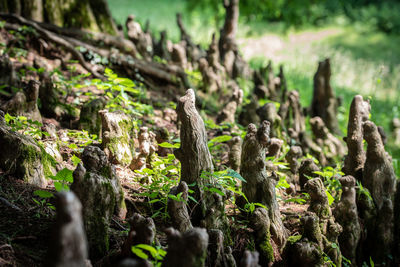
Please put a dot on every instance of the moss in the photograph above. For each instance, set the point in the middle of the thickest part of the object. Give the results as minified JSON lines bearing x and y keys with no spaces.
{"x":293,"y":239}
{"x":266,"y":248}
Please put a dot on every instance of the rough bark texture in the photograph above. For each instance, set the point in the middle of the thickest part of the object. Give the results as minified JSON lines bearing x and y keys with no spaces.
{"x":259,"y":187}
{"x":22,"y":157}
{"x":142,"y":231}
{"x":308,"y":250}
{"x":97,"y":187}
{"x":147,"y":146}
{"x":329,"y":229}
{"x":380,"y":179}
{"x":141,"y":39}
{"x":354,"y":161}
{"x":192,"y":244}
{"x":260,"y":223}
{"x":346,"y":215}
{"x":217,"y":255}
{"x":324,"y":103}
{"x":235,"y":151}
{"x":213,"y":57}
{"x":193,"y":154}
{"x":178,"y":210}
{"x":24,"y":103}
{"x":116,"y":135}
{"x":69,"y":244}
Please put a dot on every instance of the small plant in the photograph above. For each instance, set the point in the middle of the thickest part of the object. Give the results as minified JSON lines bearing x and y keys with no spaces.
{"x":121,"y":93}
{"x":157,"y":253}
{"x":62,"y":180}
{"x":26,"y":126}
{"x":163,"y":175}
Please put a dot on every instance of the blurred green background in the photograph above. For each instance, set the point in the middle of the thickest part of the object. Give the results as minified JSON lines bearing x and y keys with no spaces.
{"x":362,"y":38}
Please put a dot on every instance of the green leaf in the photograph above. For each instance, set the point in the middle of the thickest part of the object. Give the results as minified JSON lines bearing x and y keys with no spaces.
{"x":168,"y":145}
{"x":125,"y":82}
{"x":216,"y":190}
{"x":371,"y":262}
{"x":75,"y":160}
{"x":330,"y":198}
{"x":64,"y":175}
{"x":219,"y":139}
{"x":138,"y":252}
{"x":43,"y":194}
{"x":150,"y":249}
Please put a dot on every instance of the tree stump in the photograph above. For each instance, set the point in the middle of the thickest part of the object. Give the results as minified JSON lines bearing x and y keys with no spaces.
{"x":117,"y":142}
{"x":69,"y":244}
{"x":259,"y":187}
{"x":355,"y":159}
{"x":324,"y":103}
{"x":186,"y":249}
{"x":97,"y":187}
{"x":346,"y":215}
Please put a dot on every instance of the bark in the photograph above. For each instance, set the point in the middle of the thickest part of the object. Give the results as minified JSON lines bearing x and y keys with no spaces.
{"x":99,"y":190}
{"x":142,"y":231}
{"x":33,"y":9}
{"x":260,"y":89}
{"x":379,"y":178}
{"x":211,"y":81}
{"x":307,"y":169}
{"x":24,"y":103}
{"x":147,"y":147}
{"x":228,"y":32}
{"x":249,"y":112}
{"x":395,"y":128}
{"x":186,"y":249}
{"x":8,"y":75}
{"x":213,"y":57}
{"x":90,"y":119}
{"x":329,"y":229}
{"x":235,"y":151}
{"x":268,"y":112}
{"x":396,"y":248}
{"x":249,"y":259}
{"x":217,"y":255}
{"x":22,"y":158}
{"x":178,"y":56}
{"x":274,"y":148}
{"x":346,"y":214}
{"x":142,"y":40}
{"x":50,"y":36}
{"x":324,"y":103}
{"x":259,"y":187}
{"x":355,"y":159}
{"x":260,"y":223}
{"x":116,"y":136}
{"x":292,"y":157}
{"x":291,"y":113}
{"x":69,"y":244}
{"x":193,"y":51}
{"x":193,"y":153}
{"x":331,"y":145}
{"x":178,"y":210}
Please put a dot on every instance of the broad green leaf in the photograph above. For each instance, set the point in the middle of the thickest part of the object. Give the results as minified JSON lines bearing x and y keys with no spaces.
{"x":43,"y":194}
{"x":168,"y":145}
{"x":75,"y":160}
{"x":330,"y":198}
{"x":138,"y":252}
{"x":219,"y":139}
{"x":216,"y":190}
